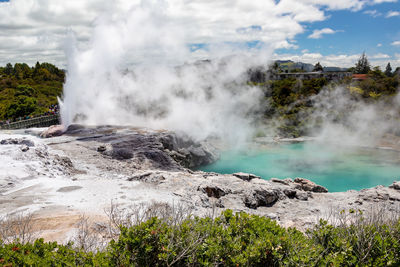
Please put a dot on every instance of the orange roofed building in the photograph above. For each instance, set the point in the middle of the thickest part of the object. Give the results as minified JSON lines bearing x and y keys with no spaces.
{"x":360,"y":77}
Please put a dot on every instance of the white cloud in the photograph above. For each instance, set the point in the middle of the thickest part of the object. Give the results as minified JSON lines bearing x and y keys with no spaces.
{"x":341,"y":60}
{"x":396,"y":43}
{"x":392,"y":13}
{"x":379,"y":45}
{"x":383,"y":1}
{"x":338,"y":4}
{"x":317,"y":34}
{"x":32,"y":30}
{"x":373,"y":13}
{"x":380,"y":56}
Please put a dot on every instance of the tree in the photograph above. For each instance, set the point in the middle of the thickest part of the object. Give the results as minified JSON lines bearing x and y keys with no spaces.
{"x":318,"y":67}
{"x":276,"y":68}
{"x":397,"y":72}
{"x":376,"y":73}
{"x":8,"y":69}
{"x":22,"y":71}
{"x":388,"y":71}
{"x":362,"y":65}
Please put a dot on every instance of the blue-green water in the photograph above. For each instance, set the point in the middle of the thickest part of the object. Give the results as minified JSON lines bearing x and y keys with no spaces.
{"x":337,"y":168}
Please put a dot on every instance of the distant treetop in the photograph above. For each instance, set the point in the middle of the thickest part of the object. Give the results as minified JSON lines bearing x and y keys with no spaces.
{"x":318,"y":67}
{"x":362,"y":66}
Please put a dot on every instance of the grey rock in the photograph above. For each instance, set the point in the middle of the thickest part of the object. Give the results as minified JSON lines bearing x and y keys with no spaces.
{"x":394,"y":198}
{"x":210,"y":174}
{"x":74,"y":128}
{"x":219,"y":204}
{"x":101,"y":148}
{"x":286,"y":181}
{"x":122,"y":153}
{"x":373,"y":195}
{"x":63,"y":161}
{"x":245,"y":176}
{"x":272,"y":216}
{"x":140,"y":177}
{"x":162,"y":150}
{"x":24,"y":148}
{"x":52,"y":131}
{"x":69,"y":189}
{"x":260,"y":198}
{"x":17,"y":141}
{"x":307,"y":185}
{"x":301,"y":195}
{"x":148,"y":177}
{"x":213,"y":190}
{"x":290,"y":193}
{"x":201,"y":200}
{"x":358,"y":201}
{"x":187,"y":152}
{"x":27,"y":142}
{"x":395,"y":185}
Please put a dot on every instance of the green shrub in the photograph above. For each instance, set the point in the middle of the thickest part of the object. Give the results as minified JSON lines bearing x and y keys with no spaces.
{"x":28,"y":90}
{"x":232,"y":239}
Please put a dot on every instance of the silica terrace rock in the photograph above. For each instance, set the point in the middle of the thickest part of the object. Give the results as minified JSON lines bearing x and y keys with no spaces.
{"x":126,"y":165}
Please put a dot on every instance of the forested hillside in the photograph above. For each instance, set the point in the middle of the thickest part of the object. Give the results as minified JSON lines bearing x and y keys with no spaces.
{"x":29,"y":91}
{"x":294,"y":104}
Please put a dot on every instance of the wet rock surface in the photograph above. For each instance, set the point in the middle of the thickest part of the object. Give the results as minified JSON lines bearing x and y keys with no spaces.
{"x":163,"y":150}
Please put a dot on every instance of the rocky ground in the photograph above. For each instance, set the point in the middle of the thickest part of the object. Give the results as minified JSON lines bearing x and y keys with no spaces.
{"x":86,"y":169}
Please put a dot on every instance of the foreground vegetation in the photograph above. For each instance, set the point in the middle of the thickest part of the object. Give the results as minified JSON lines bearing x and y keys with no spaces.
{"x":28,"y":91}
{"x":172,"y":238}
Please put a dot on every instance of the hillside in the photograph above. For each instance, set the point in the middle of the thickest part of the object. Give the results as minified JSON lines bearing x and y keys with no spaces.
{"x":29,"y":91}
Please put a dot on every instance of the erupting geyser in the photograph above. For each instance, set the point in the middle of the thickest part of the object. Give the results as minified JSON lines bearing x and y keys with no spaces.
{"x":135,"y":72}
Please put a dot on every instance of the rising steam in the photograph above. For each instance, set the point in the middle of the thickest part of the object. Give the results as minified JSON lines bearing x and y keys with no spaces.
{"x":350,"y":121}
{"x":140,"y":71}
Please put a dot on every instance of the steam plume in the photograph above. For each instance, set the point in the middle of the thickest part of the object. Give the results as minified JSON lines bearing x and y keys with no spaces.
{"x":140,"y":71}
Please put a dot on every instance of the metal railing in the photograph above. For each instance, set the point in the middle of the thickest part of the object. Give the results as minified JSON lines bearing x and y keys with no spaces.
{"x":43,"y":121}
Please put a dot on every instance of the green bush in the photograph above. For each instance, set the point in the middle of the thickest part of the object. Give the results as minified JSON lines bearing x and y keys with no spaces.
{"x":229,"y":240}
{"x":28,"y":90}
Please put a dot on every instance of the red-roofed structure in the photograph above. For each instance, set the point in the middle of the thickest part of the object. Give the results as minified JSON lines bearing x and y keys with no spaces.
{"x":360,"y":77}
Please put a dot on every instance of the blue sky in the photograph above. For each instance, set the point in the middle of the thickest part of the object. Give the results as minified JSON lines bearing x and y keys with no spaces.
{"x":374,"y":29}
{"x":332,"y":32}
{"x":355,"y":31}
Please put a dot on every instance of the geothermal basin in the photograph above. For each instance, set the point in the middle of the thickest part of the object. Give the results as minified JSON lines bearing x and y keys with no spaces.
{"x":338,"y":168}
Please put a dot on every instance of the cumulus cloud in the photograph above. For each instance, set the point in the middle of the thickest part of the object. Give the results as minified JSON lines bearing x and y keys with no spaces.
{"x":380,"y":56}
{"x":34,"y":30}
{"x":396,"y":43}
{"x":340,"y":60}
{"x":383,"y":1}
{"x":317,"y":34}
{"x":392,"y":13}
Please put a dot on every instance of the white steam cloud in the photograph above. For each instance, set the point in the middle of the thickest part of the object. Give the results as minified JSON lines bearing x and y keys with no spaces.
{"x":140,"y":69}
{"x":160,"y":89}
{"x":343,"y":118}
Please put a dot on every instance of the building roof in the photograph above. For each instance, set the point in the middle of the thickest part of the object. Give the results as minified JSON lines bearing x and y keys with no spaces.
{"x":360,"y":76}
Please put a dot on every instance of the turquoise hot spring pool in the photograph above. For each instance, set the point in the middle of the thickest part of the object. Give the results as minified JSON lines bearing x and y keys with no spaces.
{"x":337,"y":168}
